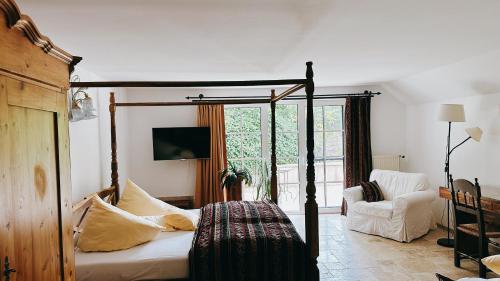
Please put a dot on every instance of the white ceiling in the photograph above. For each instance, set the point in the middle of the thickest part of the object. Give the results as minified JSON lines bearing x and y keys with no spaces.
{"x":350,"y":41}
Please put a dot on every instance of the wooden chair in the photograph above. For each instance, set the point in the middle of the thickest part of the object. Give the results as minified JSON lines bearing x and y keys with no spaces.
{"x":472,"y":235}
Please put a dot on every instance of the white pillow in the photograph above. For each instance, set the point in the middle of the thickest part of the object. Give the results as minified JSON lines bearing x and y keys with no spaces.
{"x":108,"y":228}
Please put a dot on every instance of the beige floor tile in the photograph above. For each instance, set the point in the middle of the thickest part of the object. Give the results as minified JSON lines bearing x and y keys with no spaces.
{"x":349,"y":256}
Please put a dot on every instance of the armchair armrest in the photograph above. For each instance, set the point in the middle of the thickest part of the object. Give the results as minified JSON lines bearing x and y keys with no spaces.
{"x":414,"y":199}
{"x":353,"y":194}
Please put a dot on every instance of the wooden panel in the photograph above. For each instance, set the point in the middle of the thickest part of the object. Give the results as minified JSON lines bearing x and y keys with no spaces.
{"x":65,"y":191}
{"x":184,"y":202}
{"x":20,"y":55}
{"x":27,"y":98}
{"x":35,"y":194}
{"x":35,"y":198}
{"x":27,"y":95}
{"x":6,"y":207}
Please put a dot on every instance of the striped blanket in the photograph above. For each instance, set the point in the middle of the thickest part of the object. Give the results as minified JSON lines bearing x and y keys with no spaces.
{"x":246,"y":241}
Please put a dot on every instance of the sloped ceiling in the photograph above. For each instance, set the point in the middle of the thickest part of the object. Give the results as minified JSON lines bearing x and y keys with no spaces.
{"x":351,"y":42}
{"x":476,"y":76}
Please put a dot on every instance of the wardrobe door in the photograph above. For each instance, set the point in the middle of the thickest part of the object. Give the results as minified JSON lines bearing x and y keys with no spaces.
{"x":6,"y":201}
{"x":33,"y":181}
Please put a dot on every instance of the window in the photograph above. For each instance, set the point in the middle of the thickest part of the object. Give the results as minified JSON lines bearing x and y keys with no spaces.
{"x":287,"y":155}
{"x":248,"y":131}
{"x":329,"y":154}
{"x":244,"y":140}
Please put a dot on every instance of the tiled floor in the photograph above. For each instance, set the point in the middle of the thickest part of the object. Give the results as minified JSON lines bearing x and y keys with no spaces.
{"x":349,"y":255}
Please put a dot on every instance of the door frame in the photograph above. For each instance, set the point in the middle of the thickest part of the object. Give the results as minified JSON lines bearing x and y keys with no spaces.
{"x":301,"y":123}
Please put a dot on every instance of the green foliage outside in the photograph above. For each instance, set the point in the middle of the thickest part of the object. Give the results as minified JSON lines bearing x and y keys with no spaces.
{"x":243,"y":134}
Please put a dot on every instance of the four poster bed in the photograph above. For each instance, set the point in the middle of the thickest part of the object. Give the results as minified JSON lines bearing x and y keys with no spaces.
{"x":267,"y":232}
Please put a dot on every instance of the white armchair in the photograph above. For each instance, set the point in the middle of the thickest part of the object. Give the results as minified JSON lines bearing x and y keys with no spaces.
{"x":404,"y":215}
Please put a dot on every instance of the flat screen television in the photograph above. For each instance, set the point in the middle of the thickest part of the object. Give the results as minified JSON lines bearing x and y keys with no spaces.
{"x":181,"y":143}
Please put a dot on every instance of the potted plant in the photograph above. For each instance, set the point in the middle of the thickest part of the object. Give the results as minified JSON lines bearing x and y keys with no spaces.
{"x":263,"y":185}
{"x":232,"y":179}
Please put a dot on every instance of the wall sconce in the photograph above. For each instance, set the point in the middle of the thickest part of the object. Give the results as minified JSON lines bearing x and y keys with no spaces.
{"x":82,"y":107}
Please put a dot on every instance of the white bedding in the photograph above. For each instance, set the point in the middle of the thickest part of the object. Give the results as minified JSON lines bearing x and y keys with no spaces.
{"x":166,"y":257}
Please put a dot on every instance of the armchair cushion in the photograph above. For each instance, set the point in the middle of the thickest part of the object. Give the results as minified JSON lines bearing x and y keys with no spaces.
{"x":382,"y":209}
{"x":371,"y":191}
{"x":410,"y":200}
{"x":393,"y":183}
{"x":353,"y":194}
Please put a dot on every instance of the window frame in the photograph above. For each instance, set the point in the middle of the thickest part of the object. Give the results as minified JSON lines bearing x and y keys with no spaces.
{"x":302,"y":151}
{"x":324,"y":158}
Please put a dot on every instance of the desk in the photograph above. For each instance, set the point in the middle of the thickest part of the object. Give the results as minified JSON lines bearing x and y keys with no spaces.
{"x":490,"y":201}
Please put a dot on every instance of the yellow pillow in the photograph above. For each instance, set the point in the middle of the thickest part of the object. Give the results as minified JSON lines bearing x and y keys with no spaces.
{"x":161,"y":221}
{"x":138,"y":202}
{"x":182,"y":219}
{"x":493,"y":263}
{"x":108,"y":228}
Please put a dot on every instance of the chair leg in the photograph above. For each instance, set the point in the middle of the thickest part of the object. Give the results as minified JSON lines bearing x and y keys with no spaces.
{"x":456,"y":254}
{"x":482,"y":270}
{"x":483,"y":252}
{"x":457,"y":259}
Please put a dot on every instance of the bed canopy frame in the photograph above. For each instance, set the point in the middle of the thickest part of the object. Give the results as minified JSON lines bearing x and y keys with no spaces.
{"x":311,"y":207}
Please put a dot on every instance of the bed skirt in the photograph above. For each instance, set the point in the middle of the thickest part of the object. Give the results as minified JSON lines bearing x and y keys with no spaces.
{"x":246,"y":241}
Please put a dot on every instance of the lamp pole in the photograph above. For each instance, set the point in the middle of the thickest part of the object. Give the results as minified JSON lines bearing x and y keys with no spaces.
{"x":447,"y":242}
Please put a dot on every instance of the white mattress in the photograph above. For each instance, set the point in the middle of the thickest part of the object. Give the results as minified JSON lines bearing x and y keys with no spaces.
{"x":166,"y":257}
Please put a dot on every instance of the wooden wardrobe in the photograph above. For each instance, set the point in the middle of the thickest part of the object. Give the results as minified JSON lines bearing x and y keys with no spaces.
{"x":35,"y":188}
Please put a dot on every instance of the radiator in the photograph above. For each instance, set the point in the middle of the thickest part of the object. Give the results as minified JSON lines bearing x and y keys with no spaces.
{"x":387,"y":162}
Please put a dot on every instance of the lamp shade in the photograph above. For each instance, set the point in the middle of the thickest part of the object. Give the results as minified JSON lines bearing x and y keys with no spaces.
{"x":451,"y":113}
{"x":475,"y":133}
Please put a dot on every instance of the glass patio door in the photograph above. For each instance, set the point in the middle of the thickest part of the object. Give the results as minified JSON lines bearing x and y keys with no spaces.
{"x":328,"y":151}
{"x":249,"y":144}
{"x":329,"y":155}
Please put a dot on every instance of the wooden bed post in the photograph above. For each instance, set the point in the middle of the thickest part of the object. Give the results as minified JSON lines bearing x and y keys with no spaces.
{"x":274,"y":167}
{"x":311,"y":207}
{"x":114,"y":161}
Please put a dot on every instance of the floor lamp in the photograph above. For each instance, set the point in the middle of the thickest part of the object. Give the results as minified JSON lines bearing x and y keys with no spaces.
{"x":453,"y":113}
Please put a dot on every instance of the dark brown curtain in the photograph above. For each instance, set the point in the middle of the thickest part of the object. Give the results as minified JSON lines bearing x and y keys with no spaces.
{"x":358,"y":151}
{"x":208,"y":187}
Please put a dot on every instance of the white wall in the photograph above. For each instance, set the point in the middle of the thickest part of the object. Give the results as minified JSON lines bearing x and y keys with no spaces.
{"x":177,"y":178}
{"x":159,"y":178}
{"x":90,"y":148}
{"x":473,"y":83}
{"x":388,"y":126}
{"x":427,"y":143}
{"x":85,"y":149}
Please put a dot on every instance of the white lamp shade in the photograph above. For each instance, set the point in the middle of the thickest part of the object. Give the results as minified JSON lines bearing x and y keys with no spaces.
{"x":451,"y":113}
{"x":475,"y":133}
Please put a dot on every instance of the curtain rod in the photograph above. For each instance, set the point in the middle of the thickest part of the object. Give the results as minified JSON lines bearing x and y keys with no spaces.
{"x":201,"y":97}
{"x":208,"y":102}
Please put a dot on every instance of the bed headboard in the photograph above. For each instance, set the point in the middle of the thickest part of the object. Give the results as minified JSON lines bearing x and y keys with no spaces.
{"x":81,"y":208}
